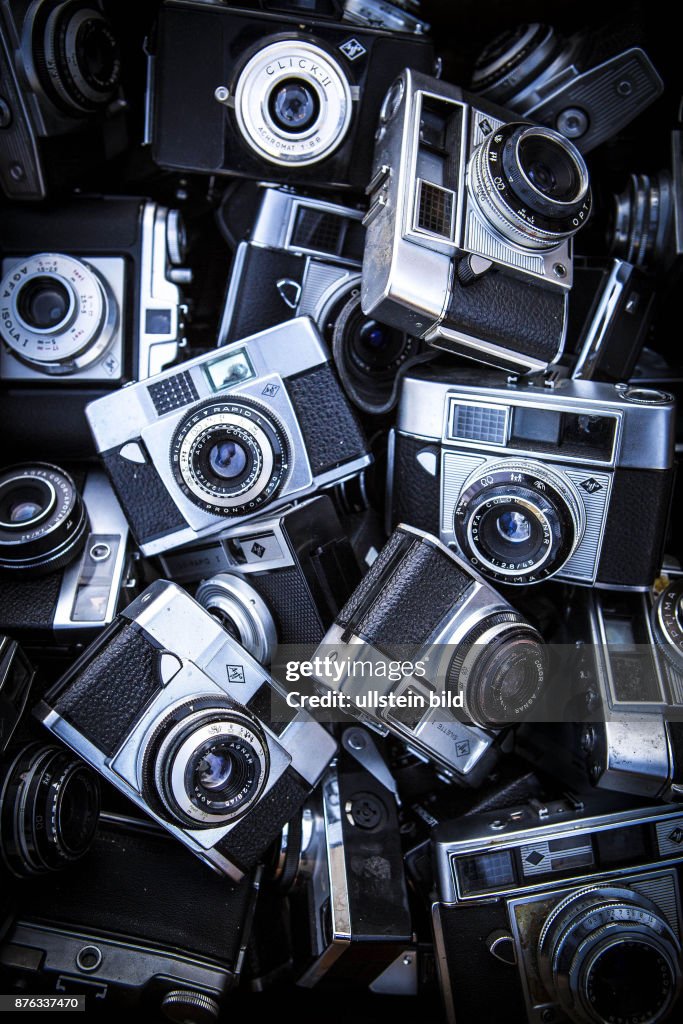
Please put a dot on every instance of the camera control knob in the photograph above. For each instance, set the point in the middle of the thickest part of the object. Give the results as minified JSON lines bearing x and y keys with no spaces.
{"x":186,"y":1007}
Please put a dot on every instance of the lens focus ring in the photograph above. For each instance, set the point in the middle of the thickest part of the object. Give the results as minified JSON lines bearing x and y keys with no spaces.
{"x":293,"y":103}
{"x":491,"y":507}
{"x":522,"y":205}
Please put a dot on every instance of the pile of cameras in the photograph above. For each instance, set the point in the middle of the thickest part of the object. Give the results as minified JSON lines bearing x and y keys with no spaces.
{"x":428,"y":429}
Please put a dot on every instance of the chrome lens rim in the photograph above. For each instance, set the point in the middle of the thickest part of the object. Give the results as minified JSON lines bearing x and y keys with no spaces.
{"x":229,"y":597}
{"x":319,"y":74}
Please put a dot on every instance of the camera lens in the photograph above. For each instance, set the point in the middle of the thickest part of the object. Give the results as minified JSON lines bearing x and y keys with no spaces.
{"x":531,"y":184}
{"x":207,"y":764}
{"x":500,"y":668}
{"x":55,"y":298}
{"x":609,"y":954}
{"x":43,"y":303}
{"x":667,"y":623}
{"x":518,"y":522}
{"x":43,"y":521}
{"x":49,"y":807}
{"x":515,"y":62}
{"x":292,"y":103}
{"x":643,"y":223}
{"x":294,"y":106}
{"x":242,"y":613}
{"x":230,"y":458}
{"x":550,"y":168}
{"x":368,"y":355}
{"x":76,"y":55}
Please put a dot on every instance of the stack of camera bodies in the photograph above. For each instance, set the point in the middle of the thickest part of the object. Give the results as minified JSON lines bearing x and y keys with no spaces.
{"x":219,"y":514}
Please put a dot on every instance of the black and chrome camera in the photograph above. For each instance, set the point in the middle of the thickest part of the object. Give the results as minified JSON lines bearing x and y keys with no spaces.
{"x":180,"y":718}
{"x":65,"y":568}
{"x":116,"y":928}
{"x":278,"y":579}
{"x":62,"y":109}
{"x":49,"y":800}
{"x":292,"y":95}
{"x":579,"y":85}
{"x":227,"y":435}
{"x":469,"y":231}
{"x":303,"y":258}
{"x":342,"y":864}
{"x":89,"y":299}
{"x":616,"y":720}
{"x":529,"y":481}
{"x":560,"y":912}
{"x":426,"y":650}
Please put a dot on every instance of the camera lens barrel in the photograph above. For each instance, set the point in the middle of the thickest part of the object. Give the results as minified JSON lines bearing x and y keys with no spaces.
{"x":43,"y":521}
{"x":61,"y":314}
{"x":530,"y":184}
{"x":607,"y":954}
{"x":642,"y":221}
{"x":205,"y":764}
{"x":242,"y":612}
{"x":667,"y":622}
{"x":514,"y":62}
{"x":76,"y":55}
{"x":293,"y":103}
{"x":518,"y":521}
{"x":230,"y":458}
{"x":49,"y":808}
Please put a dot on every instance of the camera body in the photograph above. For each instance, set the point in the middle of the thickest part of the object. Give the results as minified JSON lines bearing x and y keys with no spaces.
{"x":349,"y":895}
{"x":70,"y":598}
{"x":579,"y":85}
{"x":63,"y":110}
{"x":49,"y":800}
{"x":452,"y":664}
{"x":535,"y":904}
{"x":462,"y":249}
{"x":89,"y":299}
{"x":113,"y":928}
{"x":227,"y":435}
{"x":278,"y":579}
{"x":293,"y":92}
{"x":537,"y":479}
{"x":303,"y":258}
{"x":187,"y":725}
{"x":621,"y":726}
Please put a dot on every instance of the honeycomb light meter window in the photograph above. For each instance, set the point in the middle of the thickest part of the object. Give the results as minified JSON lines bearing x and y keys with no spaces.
{"x":435,"y":210}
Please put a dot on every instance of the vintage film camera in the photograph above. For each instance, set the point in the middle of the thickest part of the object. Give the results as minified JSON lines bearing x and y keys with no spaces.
{"x":530,"y":481}
{"x":618,"y":721}
{"x":342,"y":864}
{"x":181,"y":719}
{"x":459,"y":664}
{"x":89,"y":299}
{"x":303,"y":258}
{"x":62,"y":109}
{"x":469,"y":232}
{"x":290,"y":95}
{"x":227,"y":435}
{"x":278,"y":579}
{"x":115,"y":929}
{"x":49,"y":799}
{"x":579,"y":85}
{"x":559,"y":912}
{"x":65,"y":564}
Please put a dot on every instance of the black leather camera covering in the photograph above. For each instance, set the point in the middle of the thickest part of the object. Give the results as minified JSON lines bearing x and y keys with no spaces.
{"x":144,"y":887}
{"x":27,"y":607}
{"x":149,"y":508}
{"x":416,"y":494}
{"x":510,"y":313}
{"x":107,"y":688}
{"x":260,"y":305}
{"x":410,"y":589}
{"x":246,"y":842}
{"x":636,"y":527}
{"x":331,"y":430}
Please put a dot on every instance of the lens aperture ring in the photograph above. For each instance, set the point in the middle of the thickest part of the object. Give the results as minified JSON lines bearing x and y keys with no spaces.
{"x":511,"y":204}
{"x":80,"y":336}
{"x":260,"y":453}
{"x":69,"y":31}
